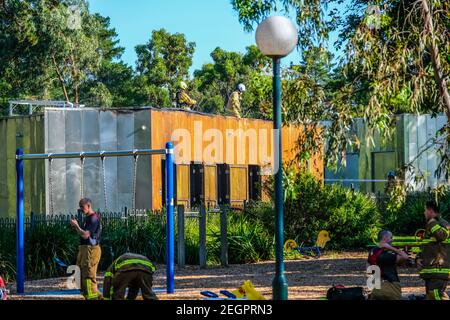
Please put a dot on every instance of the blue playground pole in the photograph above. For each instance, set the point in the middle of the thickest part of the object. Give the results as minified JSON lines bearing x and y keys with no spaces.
{"x":20,"y":242}
{"x":170,"y":252}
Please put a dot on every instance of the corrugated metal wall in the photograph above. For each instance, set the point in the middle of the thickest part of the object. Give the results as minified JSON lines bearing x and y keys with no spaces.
{"x":27,"y":133}
{"x":56,"y":187}
{"x":76,"y":130}
{"x":417,"y":132}
{"x":373,"y":162}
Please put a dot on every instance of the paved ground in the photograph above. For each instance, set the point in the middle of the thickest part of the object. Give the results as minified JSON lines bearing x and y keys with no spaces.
{"x":307,"y":279}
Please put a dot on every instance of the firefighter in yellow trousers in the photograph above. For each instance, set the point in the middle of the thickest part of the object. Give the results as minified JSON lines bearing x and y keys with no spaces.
{"x":130,"y":271}
{"x":234,"y":102}
{"x":89,"y":251}
{"x":434,"y":260}
{"x":184,"y":101}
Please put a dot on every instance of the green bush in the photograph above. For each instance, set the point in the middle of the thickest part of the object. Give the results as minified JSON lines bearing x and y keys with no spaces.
{"x":248,"y":240}
{"x":408,"y":217}
{"x":144,"y":236}
{"x":351,"y":217}
{"x":45,"y":242}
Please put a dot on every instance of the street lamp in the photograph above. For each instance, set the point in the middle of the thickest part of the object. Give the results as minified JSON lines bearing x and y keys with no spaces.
{"x":276,"y":37}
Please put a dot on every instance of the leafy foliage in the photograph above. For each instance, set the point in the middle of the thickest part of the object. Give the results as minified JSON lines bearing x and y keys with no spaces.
{"x":163,"y":62}
{"x":350,"y":217}
{"x":216,"y":81}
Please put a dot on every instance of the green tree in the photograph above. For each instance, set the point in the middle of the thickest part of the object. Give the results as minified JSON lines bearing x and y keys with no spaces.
{"x":53,"y":50}
{"x":312,"y":91}
{"x":162,"y":63}
{"x":217,"y":80}
{"x":396,"y":59}
{"x":404,"y":59}
{"x":114,"y":83}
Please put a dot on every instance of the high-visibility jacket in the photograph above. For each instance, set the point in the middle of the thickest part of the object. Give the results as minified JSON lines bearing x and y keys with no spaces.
{"x":436,"y":250}
{"x":234,"y":105}
{"x":126,"y":262}
{"x":184,"y":101}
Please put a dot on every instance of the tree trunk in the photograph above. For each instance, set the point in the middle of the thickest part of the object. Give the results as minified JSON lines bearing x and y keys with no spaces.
{"x":435,"y":58}
{"x":61,"y":79}
{"x":74,"y":80}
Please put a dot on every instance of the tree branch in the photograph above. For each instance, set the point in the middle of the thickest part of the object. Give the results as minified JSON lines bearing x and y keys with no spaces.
{"x":61,"y":79}
{"x":435,"y":58}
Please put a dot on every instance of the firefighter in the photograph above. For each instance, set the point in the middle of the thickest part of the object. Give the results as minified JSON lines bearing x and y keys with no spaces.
{"x":387,"y":258}
{"x":392,"y":182}
{"x":183,"y":99}
{"x":89,"y":251}
{"x":132,"y":271}
{"x":234,"y":102}
{"x":434,"y":259}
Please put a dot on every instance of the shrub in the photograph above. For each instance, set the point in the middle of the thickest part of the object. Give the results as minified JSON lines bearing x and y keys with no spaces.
{"x":408,"y":217}
{"x":351,"y":217}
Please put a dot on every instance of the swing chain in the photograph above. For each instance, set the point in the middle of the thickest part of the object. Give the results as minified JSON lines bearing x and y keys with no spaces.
{"x":134,"y":183}
{"x":50,"y":183}
{"x":103,"y":159}
{"x":82,"y":177}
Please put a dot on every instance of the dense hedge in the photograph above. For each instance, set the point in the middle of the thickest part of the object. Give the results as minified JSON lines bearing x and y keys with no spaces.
{"x":351,"y":217}
{"x":409,"y":217}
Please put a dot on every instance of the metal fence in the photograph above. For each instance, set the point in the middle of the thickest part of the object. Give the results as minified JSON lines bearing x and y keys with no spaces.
{"x":108,"y":219}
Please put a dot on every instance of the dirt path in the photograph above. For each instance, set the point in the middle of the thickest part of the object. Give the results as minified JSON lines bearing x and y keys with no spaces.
{"x":307,"y":279}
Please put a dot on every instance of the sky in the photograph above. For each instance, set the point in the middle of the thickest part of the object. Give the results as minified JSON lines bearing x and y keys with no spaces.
{"x":208,"y":23}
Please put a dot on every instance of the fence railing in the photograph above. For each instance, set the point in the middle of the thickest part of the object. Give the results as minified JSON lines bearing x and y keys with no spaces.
{"x":62,"y":219}
{"x":112,"y":220}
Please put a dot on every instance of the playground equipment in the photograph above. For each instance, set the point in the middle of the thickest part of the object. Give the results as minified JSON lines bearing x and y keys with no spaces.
{"x":215,"y":296}
{"x":201,"y":215}
{"x":315,"y":251}
{"x":169,"y":192}
{"x":247,"y":290}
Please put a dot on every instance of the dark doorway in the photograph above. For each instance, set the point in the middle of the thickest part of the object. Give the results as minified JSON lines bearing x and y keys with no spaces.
{"x":254,"y":182}
{"x":223,"y":184}
{"x":197,"y":185}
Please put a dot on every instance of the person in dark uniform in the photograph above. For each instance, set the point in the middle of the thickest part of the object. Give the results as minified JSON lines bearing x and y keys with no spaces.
{"x":132,"y":271}
{"x":89,"y":252}
{"x":386,"y":257}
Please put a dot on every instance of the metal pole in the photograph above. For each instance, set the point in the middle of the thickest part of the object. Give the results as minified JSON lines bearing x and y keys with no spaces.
{"x":279,"y":284}
{"x":97,"y":154}
{"x":20,"y":242}
{"x":202,"y":236}
{"x":223,"y":237}
{"x":181,"y":246}
{"x":170,"y":255}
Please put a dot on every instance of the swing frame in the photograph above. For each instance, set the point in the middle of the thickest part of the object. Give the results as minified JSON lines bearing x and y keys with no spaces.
{"x":20,"y":216}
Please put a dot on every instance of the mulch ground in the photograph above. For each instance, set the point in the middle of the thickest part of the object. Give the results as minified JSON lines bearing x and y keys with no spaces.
{"x":307,"y":278}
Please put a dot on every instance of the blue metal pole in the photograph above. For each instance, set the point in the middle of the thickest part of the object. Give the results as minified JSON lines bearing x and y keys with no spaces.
{"x":20,"y":242}
{"x":170,"y":247}
{"x":279,"y":284}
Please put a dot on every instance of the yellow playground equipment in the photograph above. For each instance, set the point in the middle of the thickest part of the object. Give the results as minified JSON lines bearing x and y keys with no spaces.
{"x":315,"y":251}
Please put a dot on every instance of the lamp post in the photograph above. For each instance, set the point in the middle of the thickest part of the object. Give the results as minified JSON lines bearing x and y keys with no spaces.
{"x":276,"y":37}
